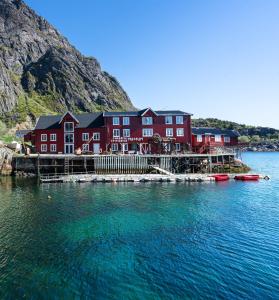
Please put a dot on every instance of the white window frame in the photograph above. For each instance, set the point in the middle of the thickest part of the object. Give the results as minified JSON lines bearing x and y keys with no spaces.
{"x":73,"y":125}
{"x":218,"y":138}
{"x":169,"y":132}
{"x":85,"y":147}
{"x":147,"y":120}
{"x":168,"y":119}
{"x":43,"y":137}
{"x":199,"y":138}
{"x":53,"y":137}
{"x":145,"y":130}
{"x":114,"y":133}
{"x":167,"y":147}
{"x":115,"y":121}
{"x":178,"y":133}
{"x":43,"y":147}
{"x":53,"y":148}
{"x":126,"y":120}
{"x":96,"y":136}
{"x":177,"y":147}
{"x":227,"y":139}
{"x":85,"y":136}
{"x":126,"y":132}
{"x":179,"y":120}
{"x":114,"y":147}
{"x":125,"y":147}
{"x":65,"y":138}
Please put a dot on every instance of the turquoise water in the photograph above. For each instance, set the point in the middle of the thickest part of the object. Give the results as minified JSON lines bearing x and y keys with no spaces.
{"x":141,"y":241}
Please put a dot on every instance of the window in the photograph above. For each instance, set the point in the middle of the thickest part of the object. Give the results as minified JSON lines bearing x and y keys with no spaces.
{"x":43,"y":137}
{"x":177,"y":147}
{"x":114,"y":147}
{"x":227,"y":139}
{"x":167,"y":147}
{"x":124,"y":147}
{"x":53,"y":137}
{"x":147,"y":121}
{"x":85,"y":147}
{"x":179,"y":119}
{"x":126,"y":121}
{"x":115,"y":121}
{"x":168,"y":120}
{"x":180,"y":131}
{"x":85,"y":136}
{"x":43,"y":148}
{"x":116,"y":132}
{"x":169,"y":132}
{"x":199,"y":138}
{"x":218,"y":138}
{"x":96,"y":136}
{"x":53,"y":148}
{"x":69,"y":138}
{"x":126,"y":132}
{"x":147,"y":132}
{"x":69,"y":126}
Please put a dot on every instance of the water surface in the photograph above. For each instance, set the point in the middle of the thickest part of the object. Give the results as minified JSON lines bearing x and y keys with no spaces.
{"x":141,"y":241}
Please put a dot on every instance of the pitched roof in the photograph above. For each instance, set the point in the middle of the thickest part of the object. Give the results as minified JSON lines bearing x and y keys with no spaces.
{"x":86,"y":120}
{"x":140,"y":112}
{"x":213,"y":131}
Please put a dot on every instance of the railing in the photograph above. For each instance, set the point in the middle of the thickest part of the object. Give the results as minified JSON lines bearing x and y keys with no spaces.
{"x":59,"y":175}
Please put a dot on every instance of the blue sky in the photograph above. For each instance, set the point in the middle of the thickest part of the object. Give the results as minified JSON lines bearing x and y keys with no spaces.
{"x":213,"y":58}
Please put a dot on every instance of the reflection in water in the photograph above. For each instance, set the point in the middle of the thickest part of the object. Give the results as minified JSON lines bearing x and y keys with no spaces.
{"x":141,"y":241}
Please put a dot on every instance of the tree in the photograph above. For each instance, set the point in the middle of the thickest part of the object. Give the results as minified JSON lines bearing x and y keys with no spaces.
{"x":244,"y":139}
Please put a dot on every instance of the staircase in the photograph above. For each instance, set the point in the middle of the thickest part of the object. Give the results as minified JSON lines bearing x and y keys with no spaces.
{"x":162,"y":171}
{"x":67,"y":165}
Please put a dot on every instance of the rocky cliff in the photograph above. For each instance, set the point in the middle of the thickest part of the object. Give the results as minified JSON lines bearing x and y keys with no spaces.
{"x":41,"y":72}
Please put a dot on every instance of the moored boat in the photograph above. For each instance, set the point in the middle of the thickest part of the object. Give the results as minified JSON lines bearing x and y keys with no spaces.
{"x":247,"y":177}
{"x":221,"y":177}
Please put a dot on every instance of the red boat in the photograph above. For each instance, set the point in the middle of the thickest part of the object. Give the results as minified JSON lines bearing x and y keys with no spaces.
{"x":221,"y":177}
{"x":247,"y":177}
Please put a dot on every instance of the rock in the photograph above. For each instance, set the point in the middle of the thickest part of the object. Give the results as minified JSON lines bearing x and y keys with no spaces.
{"x":40,"y":71}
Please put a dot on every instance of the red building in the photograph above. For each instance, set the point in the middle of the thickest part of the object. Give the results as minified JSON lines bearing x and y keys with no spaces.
{"x":205,"y":140}
{"x":144,"y":131}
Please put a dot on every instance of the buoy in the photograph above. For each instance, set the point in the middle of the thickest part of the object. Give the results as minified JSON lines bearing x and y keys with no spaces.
{"x":48,"y":197}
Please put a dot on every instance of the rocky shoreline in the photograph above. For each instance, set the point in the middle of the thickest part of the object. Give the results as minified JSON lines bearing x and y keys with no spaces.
{"x":262,"y":147}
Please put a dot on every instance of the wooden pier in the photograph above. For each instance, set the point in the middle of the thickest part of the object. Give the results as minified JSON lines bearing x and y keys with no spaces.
{"x":124,"y":164}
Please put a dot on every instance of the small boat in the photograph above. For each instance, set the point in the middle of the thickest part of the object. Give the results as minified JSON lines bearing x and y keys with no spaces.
{"x":221,"y":177}
{"x":247,"y":177}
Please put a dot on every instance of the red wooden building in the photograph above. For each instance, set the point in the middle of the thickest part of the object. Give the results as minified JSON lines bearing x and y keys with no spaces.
{"x":145,"y":131}
{"x":206,"y":140}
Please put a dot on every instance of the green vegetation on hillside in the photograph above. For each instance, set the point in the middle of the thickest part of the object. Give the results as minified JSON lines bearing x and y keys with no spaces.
{"x":247,"y":133}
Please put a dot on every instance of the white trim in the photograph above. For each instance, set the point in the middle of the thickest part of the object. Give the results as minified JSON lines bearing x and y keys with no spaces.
{"x":227,"y":139}
{"x":178,"y":122}
{"x":65,"y":138}
{"x":99,"y":136}
{"x":70,"y":144}
{"x":199,"y":138}
{"x":42,"y":145}
{"x":145,"y":118}
{"x":148,"y":110}
{"x":218,"y":138}
{"x":148,"y":129}
{"x":83,"y":147}
{"x":113,"y":133}
{"x":171,"y":118}
{"x":55,"y":148}
{"x":87,"y":135}
{"x":114,"y":145}
{"x":114,"y":118}
{"x":126,"y":118}
{"x":177,"y":129}
{"x":69,"y":123}
{"x":178,"y":149}
{"x":55,"y":139}
{"x":43,"y":140}
{"x":126,"y":130}
{"x":65,"y":114}
{"x":170,"y":133}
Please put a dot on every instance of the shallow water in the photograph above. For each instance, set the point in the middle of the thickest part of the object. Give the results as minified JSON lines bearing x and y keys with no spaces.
{"x":141,"y":241}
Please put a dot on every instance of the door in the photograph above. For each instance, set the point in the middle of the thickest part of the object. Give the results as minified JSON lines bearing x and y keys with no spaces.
{"x":69,"y":149}
{"x":96,"y":148}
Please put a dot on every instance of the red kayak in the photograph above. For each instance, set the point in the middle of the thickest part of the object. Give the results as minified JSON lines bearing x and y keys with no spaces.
{"x":247,"y":177}
{"x":221,"y":177}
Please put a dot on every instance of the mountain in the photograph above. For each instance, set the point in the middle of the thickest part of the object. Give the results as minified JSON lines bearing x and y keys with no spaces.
{"x":41,"y":72}
{"x":255,"y":133}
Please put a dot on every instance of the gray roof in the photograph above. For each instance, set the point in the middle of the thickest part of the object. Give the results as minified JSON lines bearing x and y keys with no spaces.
{"x":213,"y":131}
{"x":140,"y":112}
{"x":86,"y":120}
